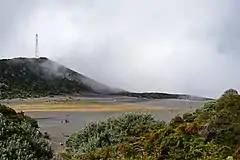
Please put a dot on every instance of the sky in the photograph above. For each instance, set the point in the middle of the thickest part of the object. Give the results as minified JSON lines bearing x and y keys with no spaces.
{"x":187,"y":46}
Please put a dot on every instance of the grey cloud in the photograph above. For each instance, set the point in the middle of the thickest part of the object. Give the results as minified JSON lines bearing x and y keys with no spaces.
{"x":13,"y":14}
{"x":187,"y":46}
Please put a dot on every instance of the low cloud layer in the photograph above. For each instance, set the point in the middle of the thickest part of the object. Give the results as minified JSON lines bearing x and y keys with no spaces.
{"x":188,"y":46}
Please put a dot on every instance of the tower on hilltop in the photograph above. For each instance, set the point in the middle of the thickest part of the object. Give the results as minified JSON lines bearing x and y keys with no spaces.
{"x":36,"y":47}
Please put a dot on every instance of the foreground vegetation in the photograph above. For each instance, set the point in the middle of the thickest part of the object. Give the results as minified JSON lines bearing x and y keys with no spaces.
{"x":209,"y":133}
{"x":20,"y":138}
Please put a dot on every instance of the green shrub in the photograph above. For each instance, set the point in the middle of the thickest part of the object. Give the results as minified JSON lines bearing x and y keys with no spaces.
{"x":165,"y":143}
{"x":17,"y":117}
{"x":189,"y":117}
{"x":176,"y":121}
{"x":221,"y":119}
{"x":230,"y":92}
{"x":111,"y":132}
{"x":19,"y":139}
{"x":7,"y":111}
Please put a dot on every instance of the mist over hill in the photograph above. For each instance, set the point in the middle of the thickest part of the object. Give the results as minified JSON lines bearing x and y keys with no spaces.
{"x":156,"y":95}
{"x":28,"y":77}
{"x":36,"y":77}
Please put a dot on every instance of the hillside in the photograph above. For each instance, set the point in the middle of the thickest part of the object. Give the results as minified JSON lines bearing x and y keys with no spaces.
{"x":36,"y":77}
{"x":154,"y":95}
{"x":31,"y":77}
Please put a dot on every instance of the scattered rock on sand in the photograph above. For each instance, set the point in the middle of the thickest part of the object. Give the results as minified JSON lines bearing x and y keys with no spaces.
{"x":65,"y":121}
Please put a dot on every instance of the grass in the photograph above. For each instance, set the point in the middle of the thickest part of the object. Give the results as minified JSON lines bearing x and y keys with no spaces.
{"x":85,"y":107}
{"x":81,"y":106}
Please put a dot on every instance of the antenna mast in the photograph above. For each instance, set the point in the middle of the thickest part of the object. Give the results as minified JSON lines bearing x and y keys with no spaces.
{"x":36,"y":47}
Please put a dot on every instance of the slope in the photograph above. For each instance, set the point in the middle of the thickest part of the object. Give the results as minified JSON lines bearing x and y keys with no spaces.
{"x":31,"y":77}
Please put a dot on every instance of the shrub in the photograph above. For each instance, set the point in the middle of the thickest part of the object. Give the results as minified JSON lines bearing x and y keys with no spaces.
{"x":166,"y":143}
{"x":7,"y":111}
{"x":111,"y":132}
{"x":230,"y":92}
{"x":20,"y":140}
{"x":17,"y":117}
{"x":189,"y":117}
{"x":222,"y":120}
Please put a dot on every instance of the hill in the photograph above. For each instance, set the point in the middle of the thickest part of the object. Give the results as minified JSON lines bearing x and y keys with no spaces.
{"x":37,"y":77}
{"x":154,"y":95}
{"x":34,"y":77}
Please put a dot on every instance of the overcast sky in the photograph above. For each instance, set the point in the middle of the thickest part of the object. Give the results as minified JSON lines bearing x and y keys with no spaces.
{"x":177,"y":46}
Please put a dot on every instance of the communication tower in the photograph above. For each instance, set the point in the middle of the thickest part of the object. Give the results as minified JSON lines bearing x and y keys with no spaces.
{"x":36,"y":47}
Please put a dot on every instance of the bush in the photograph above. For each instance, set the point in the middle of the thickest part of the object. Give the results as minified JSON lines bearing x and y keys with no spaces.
{"x":17,"y":117}
{"x":163,"y":143}
{"x":189,"y":117}
{"x":230,"y":92}
{"x":19,"y":139}
{"x":114,"y":131}
{"x":6,"y":111}
{"x":221,"y":119}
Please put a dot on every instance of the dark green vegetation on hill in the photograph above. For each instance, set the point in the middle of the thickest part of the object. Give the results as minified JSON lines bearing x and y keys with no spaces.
{"x":20,"y":138}
{"x":209,"y":133}
{"x":153,"y":95}
{"x":150,"y":95}
{"x":25,"y":77}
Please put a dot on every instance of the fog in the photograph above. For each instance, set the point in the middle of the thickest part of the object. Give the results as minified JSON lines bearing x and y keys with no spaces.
{"x":188,"y":46}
